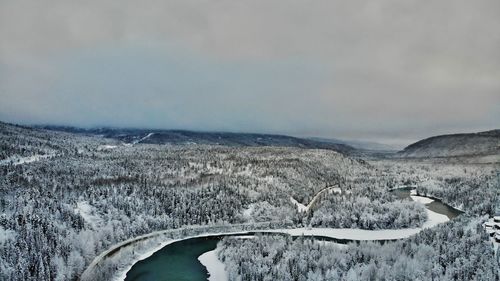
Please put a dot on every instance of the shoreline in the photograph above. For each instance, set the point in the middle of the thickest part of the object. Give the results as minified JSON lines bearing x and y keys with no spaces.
{"x":335,"y":233}
{"x":216,"y":269}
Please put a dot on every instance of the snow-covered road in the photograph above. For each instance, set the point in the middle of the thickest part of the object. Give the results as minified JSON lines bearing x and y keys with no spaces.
{"x":303,"y":208}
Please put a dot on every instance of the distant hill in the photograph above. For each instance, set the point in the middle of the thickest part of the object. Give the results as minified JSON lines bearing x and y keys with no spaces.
{"x":358,"y":144}
{"x":456,"y":145}
{"x":135,"y":136}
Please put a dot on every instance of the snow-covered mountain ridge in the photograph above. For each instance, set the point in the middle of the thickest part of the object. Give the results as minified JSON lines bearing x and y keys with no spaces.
{"x":455,"y":145}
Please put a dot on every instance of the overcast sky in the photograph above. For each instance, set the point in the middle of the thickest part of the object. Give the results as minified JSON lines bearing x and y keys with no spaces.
{"x":391,"y":70}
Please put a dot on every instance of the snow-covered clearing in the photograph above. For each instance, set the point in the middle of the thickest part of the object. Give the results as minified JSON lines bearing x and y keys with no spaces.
{"x":216,"y":269}
{"x":421,"y":199}
{"x":88,"y":214}
{"x":329,"y":243}
{"x":16,"y":160}
{"x":6,"y":235}
{"x":336,"y":190}
{"x":106,"y":147}
{"x":247,"y":213}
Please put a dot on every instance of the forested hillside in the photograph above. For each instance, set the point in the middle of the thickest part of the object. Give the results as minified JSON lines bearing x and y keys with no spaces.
{"x":478,"y":144}
{"x":65,"y":198}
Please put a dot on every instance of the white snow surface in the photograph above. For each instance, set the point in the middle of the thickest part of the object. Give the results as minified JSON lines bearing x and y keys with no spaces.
{"x":6,"y":235}
{"x":364,"y":234}
{"x":248,"y":212}
{"x":122,"y":274}
{"x":301,"y":207}
{"x":216,"y":269}
{"x":87,"y":213}
{"x":421,"y":199}
{"x":337,"y":190}
{"x":106,"y":147}
{"x":16,"y":160}
{"x":328,"y":243}
{"x":244,"y":237}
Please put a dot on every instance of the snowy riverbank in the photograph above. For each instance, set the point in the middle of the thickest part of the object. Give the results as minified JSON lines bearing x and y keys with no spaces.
{"x":338,"y":233}
{"x":214,"y":266}
{"x":363,"y":234}
{"x":216,"y":269}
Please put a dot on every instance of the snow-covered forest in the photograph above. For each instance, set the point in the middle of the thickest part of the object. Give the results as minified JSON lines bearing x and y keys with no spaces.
{"x":450,"y":252}
{"x":66,"y":198}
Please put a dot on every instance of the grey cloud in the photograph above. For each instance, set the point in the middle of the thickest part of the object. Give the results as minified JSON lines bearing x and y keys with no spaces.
{"x":363,"y":69}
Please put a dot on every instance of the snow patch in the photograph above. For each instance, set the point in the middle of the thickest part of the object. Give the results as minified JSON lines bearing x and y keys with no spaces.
{"x":434,"y":219}
{"x":364,"y":234}
{"x":337,"y":190}
{"x":421,"y":199}
{"x":301,"y":207}
{"x":248,"y":212}
{"x":329,"y":243}
{"x":16,"y":160}
{"x":244,"y":237}
{"x":106,"y":147}
{"x":216,"y":269}
{"x":87,"y":212}
{"x":6,"y":235}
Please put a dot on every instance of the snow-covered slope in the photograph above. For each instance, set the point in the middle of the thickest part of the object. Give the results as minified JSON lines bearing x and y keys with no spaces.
{"x":474,"y":144}
{"x":146,"y":136}
{"x":360,"y":144}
